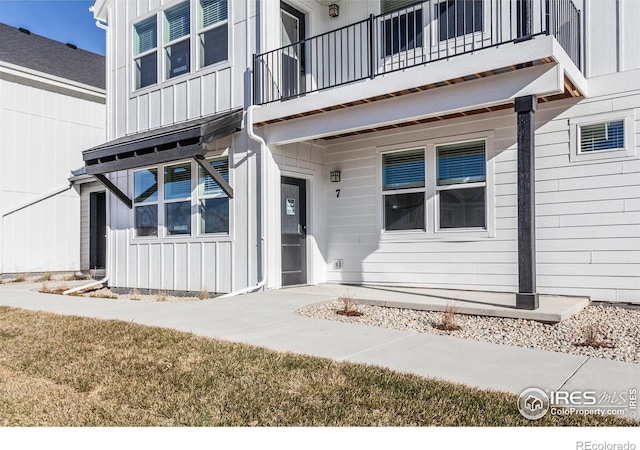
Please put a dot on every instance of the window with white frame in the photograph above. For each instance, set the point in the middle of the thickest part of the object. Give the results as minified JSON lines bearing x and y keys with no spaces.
{"x":177,"y":44}
{"x":402,"y":31}
{"x":403,"y":186}
{"x":461,"y":185}
{"x":212,"y":31}
{"x":177,"y":199}
{"x":459,"y":17}
{"x":213,"y":203}
{"x":180,"y":50}
{"x":145,"y":53}
{"x":174,"y":204}
{"x":602,"y":136}
{"x":145,"y":189}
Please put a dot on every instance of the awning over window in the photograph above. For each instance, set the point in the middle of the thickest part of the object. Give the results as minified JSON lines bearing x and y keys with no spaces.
{"x":172,"y":143}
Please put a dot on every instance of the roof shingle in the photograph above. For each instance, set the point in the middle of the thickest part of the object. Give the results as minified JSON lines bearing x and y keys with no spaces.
{"x":51,"y":57}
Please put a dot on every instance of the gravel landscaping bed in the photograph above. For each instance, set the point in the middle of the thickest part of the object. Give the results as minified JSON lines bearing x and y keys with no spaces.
{"x":614,"y":331}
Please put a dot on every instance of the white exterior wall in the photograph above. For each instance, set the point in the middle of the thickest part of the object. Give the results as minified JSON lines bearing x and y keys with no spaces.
{"x":43,"y":127}
{"x":588,"y":213}
{"x":588,"y":224}
{"x":214,"y":263}
{"x":612,"y":40}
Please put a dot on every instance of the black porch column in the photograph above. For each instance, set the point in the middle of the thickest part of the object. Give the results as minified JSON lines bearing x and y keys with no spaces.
{"x":526,"y":298}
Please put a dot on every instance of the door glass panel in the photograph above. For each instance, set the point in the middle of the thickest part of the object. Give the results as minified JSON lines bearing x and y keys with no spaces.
{"x":290,"y":209}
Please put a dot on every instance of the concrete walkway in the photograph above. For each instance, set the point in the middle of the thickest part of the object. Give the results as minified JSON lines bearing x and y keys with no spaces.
{"x":268,"y":319}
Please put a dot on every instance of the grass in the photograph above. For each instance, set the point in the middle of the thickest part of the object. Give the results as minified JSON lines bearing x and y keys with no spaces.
{"x":70,"y":371}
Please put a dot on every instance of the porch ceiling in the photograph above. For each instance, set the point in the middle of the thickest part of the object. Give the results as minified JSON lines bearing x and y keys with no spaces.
{"x":570,"y":91}
{"x":458,"y":98}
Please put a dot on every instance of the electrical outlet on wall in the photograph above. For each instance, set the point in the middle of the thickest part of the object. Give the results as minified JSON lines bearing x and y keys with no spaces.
{"x":337,"y":264}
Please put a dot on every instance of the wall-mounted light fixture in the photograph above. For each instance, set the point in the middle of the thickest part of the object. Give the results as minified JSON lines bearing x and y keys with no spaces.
{"x":334,"y":10}
{"x":335,"y":176}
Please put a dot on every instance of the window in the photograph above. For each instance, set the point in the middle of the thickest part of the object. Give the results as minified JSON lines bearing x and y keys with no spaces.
{"x":175,"y":203}
{"x":403,"y":32}
{"x":602,"y":136}
{"x":459,"y":17}
{"x":461,"y":185}
{"x":177,"y":197}
{"x":145,"y":188}
{"x":212,"y":31}
{"x":213,"y":202}
{"x":211,"y":43}
{"x":145,"y":51}
{"x":177,"y":29}
{"x":403,"y":185}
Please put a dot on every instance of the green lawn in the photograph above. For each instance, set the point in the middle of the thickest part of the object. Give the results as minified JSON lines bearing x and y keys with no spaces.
{"x":69,"y":371}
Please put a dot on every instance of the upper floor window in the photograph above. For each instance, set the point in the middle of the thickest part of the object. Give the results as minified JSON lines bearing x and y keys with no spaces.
{"x":212,"y":31}
{"x":403,"y":32}
{"x":180,"y":50}
{"x":146,"y":54}
{"x":459,"y":17}
{"x":177,"y":29}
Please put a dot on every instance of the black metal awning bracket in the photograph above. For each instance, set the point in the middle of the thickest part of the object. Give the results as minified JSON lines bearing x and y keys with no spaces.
{"x":206,"y":165}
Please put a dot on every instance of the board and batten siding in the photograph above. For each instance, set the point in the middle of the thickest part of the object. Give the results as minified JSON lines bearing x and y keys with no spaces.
{"x":587,"y":213}
{"x":43,"y":130}
{"x":215,"y":263}
{"x":210,"y":90}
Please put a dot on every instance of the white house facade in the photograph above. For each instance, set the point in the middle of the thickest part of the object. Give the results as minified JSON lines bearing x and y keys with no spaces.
{"x":463,"y":144}
{"x":52,"y":106}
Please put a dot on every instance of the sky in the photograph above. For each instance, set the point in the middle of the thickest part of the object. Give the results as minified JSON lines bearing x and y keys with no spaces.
{"x":67,"y":21}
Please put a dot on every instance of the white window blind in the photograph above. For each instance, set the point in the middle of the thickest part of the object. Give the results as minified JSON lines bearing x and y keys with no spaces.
{"x":208,"y":186}
{"x":602,"y":136}
{"x":177,"y":181}
{"x":403,"y":170}
{"x":213,"y":11}
{"x":461,"y":163}
{"x":177,"y":21}
{"x":145,"y":36}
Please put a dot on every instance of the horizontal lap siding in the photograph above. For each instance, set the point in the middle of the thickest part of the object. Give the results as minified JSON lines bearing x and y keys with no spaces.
{"x":588,"y":215}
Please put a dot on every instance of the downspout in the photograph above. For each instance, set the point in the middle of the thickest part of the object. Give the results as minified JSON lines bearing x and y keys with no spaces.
{"x":262,"y":195}
{"x":261,"y":188}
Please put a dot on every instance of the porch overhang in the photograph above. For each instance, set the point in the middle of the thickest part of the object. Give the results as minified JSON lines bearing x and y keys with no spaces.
{"x":182,"y":141}
{"x":471,"y":97}
{"x":509,"y":61}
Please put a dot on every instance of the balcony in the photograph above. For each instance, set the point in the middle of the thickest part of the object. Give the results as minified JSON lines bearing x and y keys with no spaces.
{"x":425,"y":35}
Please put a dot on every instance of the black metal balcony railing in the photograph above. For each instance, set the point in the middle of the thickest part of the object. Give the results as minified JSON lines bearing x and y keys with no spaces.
{"x":424,"y":32}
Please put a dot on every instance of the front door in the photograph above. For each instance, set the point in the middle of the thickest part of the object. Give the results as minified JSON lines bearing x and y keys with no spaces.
{"x":294,"y":231}
{"x":292,"y":33}
{"x":97,"y":230}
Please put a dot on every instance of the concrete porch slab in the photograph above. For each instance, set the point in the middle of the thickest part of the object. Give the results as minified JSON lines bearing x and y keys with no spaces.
{"x":553,"y":308}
